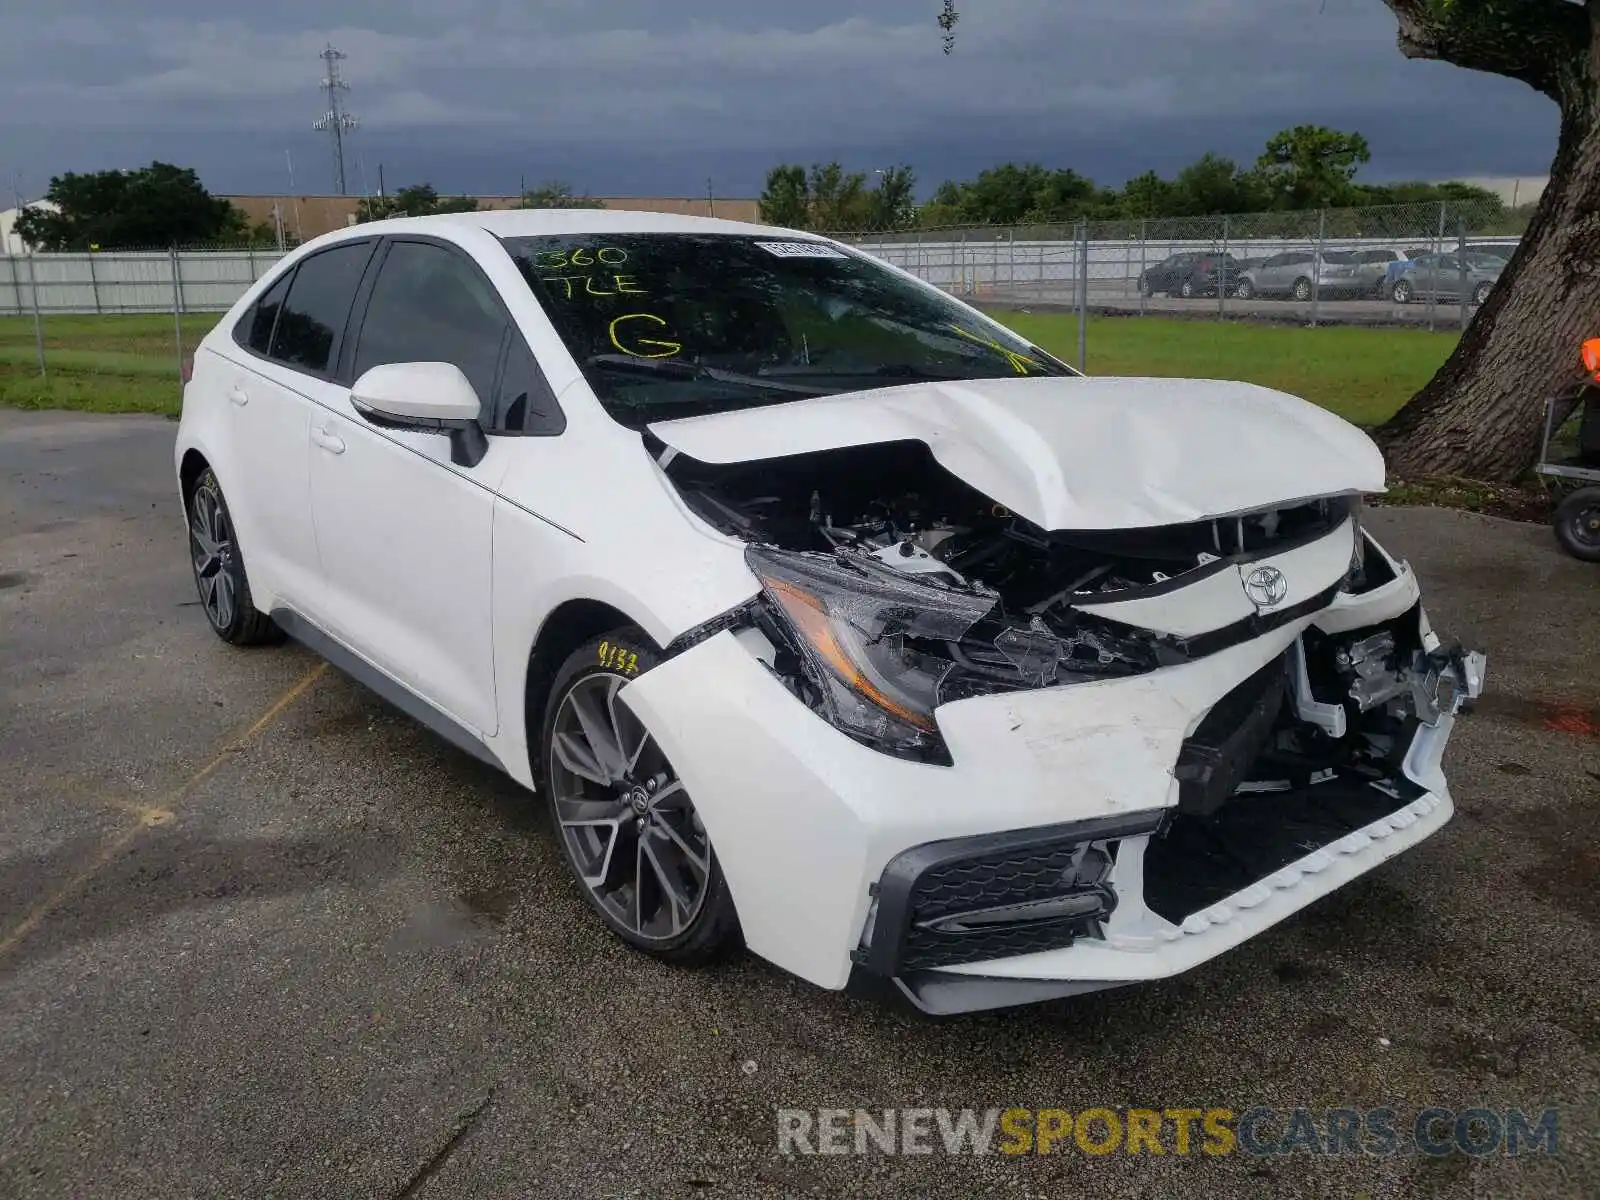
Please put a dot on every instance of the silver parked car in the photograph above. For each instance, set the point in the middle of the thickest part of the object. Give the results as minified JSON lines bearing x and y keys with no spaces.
{"x":1441,"y":277}
{"x":1298,"y":273}
{"x":1366,"y":271}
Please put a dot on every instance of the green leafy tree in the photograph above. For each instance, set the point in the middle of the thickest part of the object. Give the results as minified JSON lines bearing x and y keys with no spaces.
{"x":416,"y":200}
{"x":892,"y":204}
{"x":1311,"y":166}
{"x":839,"y":201}
{"x":1482,"y":414}
{"x":158,"y":205}
{"x":557,"y":194}
{"x":786,"y":198}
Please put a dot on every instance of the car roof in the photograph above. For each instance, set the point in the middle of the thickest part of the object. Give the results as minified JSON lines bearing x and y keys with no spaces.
{"x":537,"y":222}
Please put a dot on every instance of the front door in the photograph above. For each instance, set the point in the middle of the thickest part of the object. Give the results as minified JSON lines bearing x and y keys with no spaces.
{"x":404,"y":535}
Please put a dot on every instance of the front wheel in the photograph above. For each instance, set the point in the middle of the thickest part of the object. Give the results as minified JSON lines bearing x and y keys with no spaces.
{"x":1145,"y":289}
{"x":1302,"y":289}
{"x":627,"y":827}
{"x":1577,"y":524}
{"x":1402,"y":292}
{"x":1187,"y":290}
{"x":1481,"y":296}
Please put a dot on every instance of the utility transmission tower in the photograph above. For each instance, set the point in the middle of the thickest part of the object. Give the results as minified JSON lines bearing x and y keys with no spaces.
{"x":335,"y":120}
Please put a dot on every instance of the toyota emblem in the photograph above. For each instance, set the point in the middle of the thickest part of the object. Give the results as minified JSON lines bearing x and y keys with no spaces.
{"x":1266,"y":587}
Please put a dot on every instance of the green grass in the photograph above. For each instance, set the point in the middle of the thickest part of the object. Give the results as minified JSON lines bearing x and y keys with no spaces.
{"x":111,"y":364}
{"x":130,"y":363}
{"x":1364,"y":375}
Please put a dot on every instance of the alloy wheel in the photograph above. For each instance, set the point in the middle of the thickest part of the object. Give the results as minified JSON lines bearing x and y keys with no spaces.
{"x":212,"y":550}
{"x":625,"y":817}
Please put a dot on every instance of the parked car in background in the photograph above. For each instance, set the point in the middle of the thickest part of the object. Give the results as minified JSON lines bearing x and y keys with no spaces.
{"x":1192,"y":273}
{"x":1369,"y":269}
{"x":1441,"y":277}
{"x":1300,"y":274}
{"x":1501,"y":248}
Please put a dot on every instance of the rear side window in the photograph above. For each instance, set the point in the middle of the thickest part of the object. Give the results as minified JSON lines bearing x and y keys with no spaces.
{"x":255,"y":330}
{"x":314,"y":315}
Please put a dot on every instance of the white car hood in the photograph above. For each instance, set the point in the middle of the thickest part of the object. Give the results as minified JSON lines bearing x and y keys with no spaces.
{"x":1075,"y":453}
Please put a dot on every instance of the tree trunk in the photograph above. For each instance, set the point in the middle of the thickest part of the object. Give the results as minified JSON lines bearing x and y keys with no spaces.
{"x":1482,"y":415}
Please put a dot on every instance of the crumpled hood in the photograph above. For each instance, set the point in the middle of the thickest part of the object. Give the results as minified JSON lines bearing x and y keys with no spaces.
{"x":1075,"y":453}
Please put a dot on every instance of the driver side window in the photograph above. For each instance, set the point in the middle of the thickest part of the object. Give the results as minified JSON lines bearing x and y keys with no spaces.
{"x":430,"y":305}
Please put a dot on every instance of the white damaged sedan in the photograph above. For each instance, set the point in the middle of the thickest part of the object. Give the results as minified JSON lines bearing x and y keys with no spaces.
{"x":829,"y":617}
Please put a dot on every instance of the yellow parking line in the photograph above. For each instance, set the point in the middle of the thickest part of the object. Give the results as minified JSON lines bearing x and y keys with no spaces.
{"x":155,"y":814}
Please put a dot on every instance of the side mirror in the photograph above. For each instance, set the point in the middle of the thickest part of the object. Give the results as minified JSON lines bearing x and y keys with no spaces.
{"x":425,"y":397}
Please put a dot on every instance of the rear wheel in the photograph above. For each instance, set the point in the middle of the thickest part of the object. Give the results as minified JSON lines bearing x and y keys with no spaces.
{"x":219,"y":574}
{"x":1145,"y":289}
{"x":625,"y":822}
{"x":1481,"y":295}
{"x":1187,"y":290}
{"x":1302,"y":289}
{"x":1246,"y":290}
{"x":1577,"y":524}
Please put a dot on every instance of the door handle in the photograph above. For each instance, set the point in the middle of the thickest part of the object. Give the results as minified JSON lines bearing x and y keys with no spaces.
{"x":238,"y":396}
{"x":329,"y":442}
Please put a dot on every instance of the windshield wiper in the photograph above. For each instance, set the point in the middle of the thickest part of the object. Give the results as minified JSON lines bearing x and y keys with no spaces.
{"x":682,"y":370}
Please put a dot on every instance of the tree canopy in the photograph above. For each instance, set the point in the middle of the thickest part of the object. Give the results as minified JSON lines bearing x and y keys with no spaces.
{"x":557,"y":194}
{"x":831,"y":199}
{"x":415,"y":200}
{"x":151,"y":207}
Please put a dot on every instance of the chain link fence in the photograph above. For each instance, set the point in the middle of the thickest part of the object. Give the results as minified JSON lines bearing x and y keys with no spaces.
{"x":1422,"y":264}
{"x":1427,"y":265}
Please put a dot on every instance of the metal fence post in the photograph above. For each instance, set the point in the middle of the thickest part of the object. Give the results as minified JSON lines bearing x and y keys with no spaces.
{"x":1316,"y":265}
{"x":177,"y":314}
{"x":1144,"y":238}
{"x":1011,"y":278}
{"x":1222,"y":275}
{"x":1461,"y":258}
{"x":38,"y":321}
{"x":1083,"y":294}
{"x":94,"y":286}
{"x":177,"y":283}
{"x":1433,"y":292}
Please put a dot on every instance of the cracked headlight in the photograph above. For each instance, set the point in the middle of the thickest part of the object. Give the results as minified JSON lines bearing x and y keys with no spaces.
{"x":861,"y":636}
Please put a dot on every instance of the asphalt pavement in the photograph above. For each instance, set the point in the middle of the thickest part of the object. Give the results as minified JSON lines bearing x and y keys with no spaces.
{"x":261,"y":935}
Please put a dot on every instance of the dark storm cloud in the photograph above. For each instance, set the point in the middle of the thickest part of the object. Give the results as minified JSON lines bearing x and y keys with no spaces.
{"x":641,"y":96}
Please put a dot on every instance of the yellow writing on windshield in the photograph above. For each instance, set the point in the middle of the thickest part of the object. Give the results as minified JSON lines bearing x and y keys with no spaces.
{"x":592,"y":285}
{"x":1020,"y":363}
{"x":659,"y":349}
{"x":560,"y":260}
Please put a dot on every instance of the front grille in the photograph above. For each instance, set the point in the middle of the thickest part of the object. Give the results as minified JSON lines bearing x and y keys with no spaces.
{"x":996,"y":895}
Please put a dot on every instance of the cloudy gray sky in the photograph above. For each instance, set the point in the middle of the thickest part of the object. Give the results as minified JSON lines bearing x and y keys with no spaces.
{"x":650,"y":97}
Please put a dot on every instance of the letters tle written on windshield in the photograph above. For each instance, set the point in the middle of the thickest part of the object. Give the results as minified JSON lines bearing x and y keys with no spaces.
{"x":584,"y":272}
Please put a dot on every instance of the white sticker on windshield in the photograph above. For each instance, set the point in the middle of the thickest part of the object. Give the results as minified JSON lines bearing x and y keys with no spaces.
{"x":801,"y":250}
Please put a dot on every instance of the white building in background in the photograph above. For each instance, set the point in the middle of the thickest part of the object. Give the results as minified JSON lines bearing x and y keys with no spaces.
{"x":10,"y":243}
{"x":1514,"y":190}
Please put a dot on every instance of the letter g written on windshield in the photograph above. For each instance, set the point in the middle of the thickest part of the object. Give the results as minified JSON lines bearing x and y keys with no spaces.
{"x":631,"y":337}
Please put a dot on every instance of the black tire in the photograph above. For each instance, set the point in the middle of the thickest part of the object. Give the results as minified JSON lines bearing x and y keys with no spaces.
{"x":1302,"y":289}
{"x":1187,"y":291}
{"x":1577,"y":524}
{"x":712,"y":931}
{"x":217,"y":561}
{"x":1245,"y":290}
{"x":1145,"y":289}
{"x":1480,"y":296}
{"x":1402,"y":292}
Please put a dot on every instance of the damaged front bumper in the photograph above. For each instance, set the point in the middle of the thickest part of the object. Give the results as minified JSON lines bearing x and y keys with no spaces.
{"x":1066,"y":848}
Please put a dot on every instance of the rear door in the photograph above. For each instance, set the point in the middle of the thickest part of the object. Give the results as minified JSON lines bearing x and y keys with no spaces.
{"x":405,"y":535}
{"x":284,"y":347}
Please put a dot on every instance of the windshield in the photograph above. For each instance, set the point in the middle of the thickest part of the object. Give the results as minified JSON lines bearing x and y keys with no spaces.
{"x":673,"y":325}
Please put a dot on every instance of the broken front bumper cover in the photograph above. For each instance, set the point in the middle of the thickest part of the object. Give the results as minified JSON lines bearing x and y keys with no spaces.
{"x":1000,"y":920}
{"x":807,"y":821}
